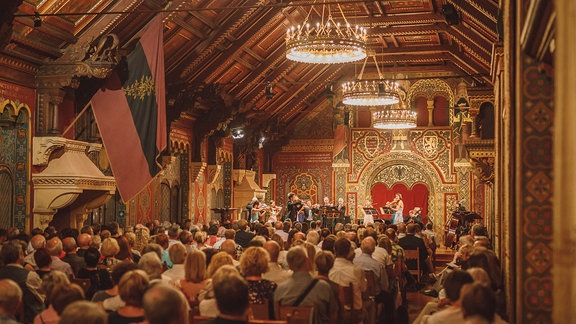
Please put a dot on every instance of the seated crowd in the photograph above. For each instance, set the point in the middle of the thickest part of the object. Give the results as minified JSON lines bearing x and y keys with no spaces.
{"x":236,"y":272}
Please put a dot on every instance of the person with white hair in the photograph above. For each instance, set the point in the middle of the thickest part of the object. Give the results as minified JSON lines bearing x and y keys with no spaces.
{"x":10,"y":298}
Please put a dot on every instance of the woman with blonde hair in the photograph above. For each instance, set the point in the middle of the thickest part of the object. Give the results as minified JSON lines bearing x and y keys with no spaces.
{"x":253,"y":263}
{"x":131,"y":289}
{"x":110,"y":248}
{"x":206,"y":298}
{"x":194,"y":276}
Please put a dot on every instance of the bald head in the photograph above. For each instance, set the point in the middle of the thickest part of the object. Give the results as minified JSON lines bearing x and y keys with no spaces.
{"x":84,"y":241}
{"x":368,"y":245}
{"x":273,"y":249}
{"x":69,"y":245}
{"x":38,"y":241}
{"x":54,"y":246}
{"x":229,"y":247}
{"x":401,"y":228}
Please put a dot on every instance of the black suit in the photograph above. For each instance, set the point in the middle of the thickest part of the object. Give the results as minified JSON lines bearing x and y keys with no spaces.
{"x":411,"y":242}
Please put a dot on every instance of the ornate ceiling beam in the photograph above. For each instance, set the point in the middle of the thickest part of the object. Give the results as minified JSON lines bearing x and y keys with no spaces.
{"x":211,"y":44}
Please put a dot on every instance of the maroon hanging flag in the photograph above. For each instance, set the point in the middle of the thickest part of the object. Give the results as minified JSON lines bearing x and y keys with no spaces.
{"x":132,"y":118}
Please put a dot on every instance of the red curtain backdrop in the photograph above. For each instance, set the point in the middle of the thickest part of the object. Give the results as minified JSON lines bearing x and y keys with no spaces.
{"x":441,"y":111}
{"x":415,"y":197}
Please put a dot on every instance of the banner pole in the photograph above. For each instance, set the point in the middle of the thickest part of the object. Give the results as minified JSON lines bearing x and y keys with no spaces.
{"x":76,"y":119}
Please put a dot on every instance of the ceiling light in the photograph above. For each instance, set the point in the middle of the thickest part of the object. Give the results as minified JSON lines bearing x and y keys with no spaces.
{"x":394,"y":118}
{"x":370,"y":92}
{"x":325,"y":41}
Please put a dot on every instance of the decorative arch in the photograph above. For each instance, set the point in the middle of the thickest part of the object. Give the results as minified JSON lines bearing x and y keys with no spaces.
{"x":6,"y":196}
{"x":430,"y":89}
{"x":410,"y":169}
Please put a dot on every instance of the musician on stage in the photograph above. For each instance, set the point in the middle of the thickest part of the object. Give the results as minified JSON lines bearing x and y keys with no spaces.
{"x":256,"y":212}
{"x":368,"y":218}
{"x":397,"y":206}
{"x":274,"y":211}
{"x":292,"y":207}
{"x":326,"y":207}
{"x":341,"y":209}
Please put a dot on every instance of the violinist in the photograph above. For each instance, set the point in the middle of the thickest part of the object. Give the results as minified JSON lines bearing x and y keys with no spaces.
{"x":293,"y":206}
{"x":257,"y":211}
{"x":274,"y":211}
{"x":397,"y":205}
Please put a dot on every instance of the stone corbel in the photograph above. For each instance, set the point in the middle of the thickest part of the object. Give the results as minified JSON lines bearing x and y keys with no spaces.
{"x":238,"y":176}
{"x":267,"y":178}
{"x":43,"y":147}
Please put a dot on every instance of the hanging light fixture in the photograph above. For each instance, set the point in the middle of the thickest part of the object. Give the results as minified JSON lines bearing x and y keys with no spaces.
{"x":394,"y":117}
{"x":370,"y":92}
{"x":326,"y":41}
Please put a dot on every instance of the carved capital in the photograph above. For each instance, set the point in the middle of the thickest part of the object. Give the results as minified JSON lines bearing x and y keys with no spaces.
{"x":267,"y":178}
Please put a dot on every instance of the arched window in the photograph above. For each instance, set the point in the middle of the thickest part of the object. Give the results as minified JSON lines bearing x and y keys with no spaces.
{"x":6,"y":198}
{"x":486,"y":121}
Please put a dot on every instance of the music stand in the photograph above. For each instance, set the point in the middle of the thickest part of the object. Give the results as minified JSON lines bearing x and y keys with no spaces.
{"x":371,"y":212}
{"x":225,"y":213}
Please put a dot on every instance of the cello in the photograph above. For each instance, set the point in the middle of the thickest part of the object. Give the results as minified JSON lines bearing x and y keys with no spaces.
{"x":450,"y":230}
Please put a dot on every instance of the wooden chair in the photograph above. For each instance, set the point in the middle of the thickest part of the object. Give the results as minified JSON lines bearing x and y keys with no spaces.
{"x":255,"y":321}
{"x":413,"y":255}
{"x":369,"y":296}
{"x":345,"y":303}
{"x":260,"y":311}
{"x":296,"y":314}
{"x":83,"y":283}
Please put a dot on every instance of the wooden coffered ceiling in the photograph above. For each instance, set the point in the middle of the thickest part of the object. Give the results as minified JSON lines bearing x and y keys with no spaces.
{"x":236,"y":47}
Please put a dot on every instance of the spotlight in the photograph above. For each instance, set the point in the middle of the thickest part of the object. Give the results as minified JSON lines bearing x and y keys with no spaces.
{"x":269,"y":91}
{"x":37,"y":20}
{"x":261,"y":141}
{"x":237,"y":133}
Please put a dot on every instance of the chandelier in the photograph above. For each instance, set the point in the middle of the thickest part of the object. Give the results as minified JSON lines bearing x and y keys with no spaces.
{"x":370,"y":92}
{"x":326,"y":41}
{"x":394,"y":118}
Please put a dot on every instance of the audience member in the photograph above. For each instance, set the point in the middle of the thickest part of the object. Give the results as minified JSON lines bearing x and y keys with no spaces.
{"x":194,"y":276}
{"x":165,"y":305}
{"x":303,"y":289}
{"x":253,"y":263}
{"x":231,"y":296}
{"x":71,"y":257}
{"x":83,"y":312}
{"x":99,"y":278}
{"x":28,"y":281}
{"x":54,"y":247}
{"x":177,"y":254}
{"x":275,"y":272}
{"x":345,"y":273}
{"x":131,"y":289}
{"x":10,"y":299}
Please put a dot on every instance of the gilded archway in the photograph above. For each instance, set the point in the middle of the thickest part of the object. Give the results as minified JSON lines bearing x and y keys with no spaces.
{"x":407,"y":168}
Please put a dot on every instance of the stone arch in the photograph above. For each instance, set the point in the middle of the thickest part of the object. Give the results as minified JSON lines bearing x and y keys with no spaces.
{"x":407,"y":168}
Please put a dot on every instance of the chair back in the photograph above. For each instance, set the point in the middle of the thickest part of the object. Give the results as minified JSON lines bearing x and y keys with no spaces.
{"x":297,"y":314}
{"x":255,"y":321}
{"x":371,"y":282}
{"x":195,"y":319}
{"x":83,"y":283}
{"x":413,"y":257}
{"x":260,"y":311}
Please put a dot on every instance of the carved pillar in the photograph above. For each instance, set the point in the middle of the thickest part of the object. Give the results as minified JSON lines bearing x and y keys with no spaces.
{"x":49,"y":99}
{"x":564,"y":235}
{"x":430,"y":107}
